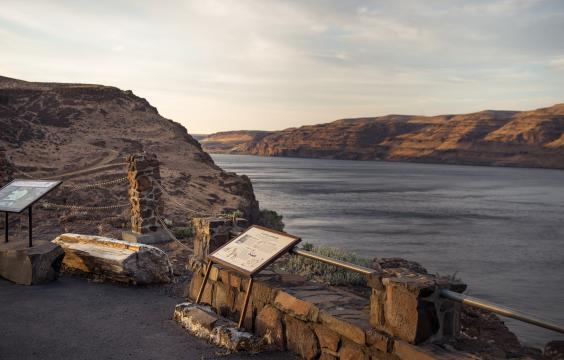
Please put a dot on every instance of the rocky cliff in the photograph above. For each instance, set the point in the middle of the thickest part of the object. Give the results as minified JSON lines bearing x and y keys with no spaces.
{"x":74,"y":131}
{"x":228,"y":141}
{"x":503,"y":138}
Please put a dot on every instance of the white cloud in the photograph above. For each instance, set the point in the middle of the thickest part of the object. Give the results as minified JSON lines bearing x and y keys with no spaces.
{"x":557,"y":63}
{"x":273,"y":64}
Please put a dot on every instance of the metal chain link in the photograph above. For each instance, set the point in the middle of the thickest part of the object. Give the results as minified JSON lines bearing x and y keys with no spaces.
{"x":50,"y":205}
{"x":195,"y":212}
{"x":96,"y":185}
{"x":105,"y":166}
{"x":168,"y":231}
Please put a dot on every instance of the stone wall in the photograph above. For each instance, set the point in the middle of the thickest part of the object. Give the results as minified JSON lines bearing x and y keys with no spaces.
{"x":144,"y":195}
{"x":210,"y":233}
{"x":398,"y":318}
{"x":317,"y":321}
{"x":407,"y":304}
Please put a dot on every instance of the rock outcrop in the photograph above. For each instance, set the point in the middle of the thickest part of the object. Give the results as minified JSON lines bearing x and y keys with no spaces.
{"x":75,"y":131}
{"x":224,"y":142}
{"x":114,"y":260}
{"x":502,"y":138}
{"x":30,"y":266}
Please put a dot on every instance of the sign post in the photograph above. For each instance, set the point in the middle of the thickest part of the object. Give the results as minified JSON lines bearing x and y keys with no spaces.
{"x":248,"y":254}
{"x":19,"y":195}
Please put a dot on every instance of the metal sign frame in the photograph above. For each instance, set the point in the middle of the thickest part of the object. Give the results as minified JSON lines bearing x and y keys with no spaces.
{"x":211,"y":259}
{"x":28,"y":206}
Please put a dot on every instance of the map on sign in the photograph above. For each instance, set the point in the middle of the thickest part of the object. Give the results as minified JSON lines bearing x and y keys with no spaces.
{"x":19,"y":194}
{"x":254,"y":249}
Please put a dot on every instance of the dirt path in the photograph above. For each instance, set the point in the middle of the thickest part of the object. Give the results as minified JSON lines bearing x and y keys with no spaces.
{"x":76,"y":319}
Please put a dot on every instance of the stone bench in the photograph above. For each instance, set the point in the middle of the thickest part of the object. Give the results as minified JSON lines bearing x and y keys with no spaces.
{"x":114,"y":260}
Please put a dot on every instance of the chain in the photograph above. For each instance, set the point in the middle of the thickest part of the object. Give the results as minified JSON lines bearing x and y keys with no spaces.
{"x":172,"y":197}
{"x":167,"y":230}
{"x":50,"y":205}
{"x":96,"y":185}
{"x":106,"y":166}
{"x":24,"y":174}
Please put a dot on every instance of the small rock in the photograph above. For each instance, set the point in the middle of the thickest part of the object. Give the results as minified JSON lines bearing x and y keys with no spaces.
{"x":554,"y":350}
{"x":269,"y":326}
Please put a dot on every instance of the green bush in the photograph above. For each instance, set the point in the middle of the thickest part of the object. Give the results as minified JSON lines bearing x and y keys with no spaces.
{"x":237,"y":214}
{"x":271,"y":219}
{"x":184,"y":232}
{"x":318,"y":271}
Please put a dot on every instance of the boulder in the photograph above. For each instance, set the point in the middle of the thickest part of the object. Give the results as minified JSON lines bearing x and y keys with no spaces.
{"x":301,"y":339}
{"x":114,"y":260}
{"x":554,"y":350}
{"x":268,"y":325}
{"x":201,"y":321}
{"x":29,"y":266}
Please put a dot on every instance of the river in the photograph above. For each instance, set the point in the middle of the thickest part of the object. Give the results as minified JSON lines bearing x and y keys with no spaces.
{"x":501,"y":230}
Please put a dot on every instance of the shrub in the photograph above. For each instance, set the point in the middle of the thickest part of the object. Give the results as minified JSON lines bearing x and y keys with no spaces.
{"x":184,"y":232}
{"x":330,"y":274}
{"x":236,"y":214}
{"x":271,"y":219}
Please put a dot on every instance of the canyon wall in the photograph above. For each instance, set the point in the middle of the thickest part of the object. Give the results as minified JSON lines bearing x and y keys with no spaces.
{"x":501,"y":138}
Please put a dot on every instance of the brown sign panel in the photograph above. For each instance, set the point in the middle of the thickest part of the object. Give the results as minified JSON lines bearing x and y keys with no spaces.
{"x":254,"y":249}
{"x":19,"y":194}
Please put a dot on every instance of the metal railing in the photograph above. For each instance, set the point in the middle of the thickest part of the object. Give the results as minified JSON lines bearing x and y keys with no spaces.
{"x":335,"y":262}
{"x":447,"y":294}
{"x":501,"y":310}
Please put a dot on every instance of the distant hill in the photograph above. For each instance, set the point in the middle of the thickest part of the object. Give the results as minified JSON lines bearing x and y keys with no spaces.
{"x":58,"y":130}
{"x":228,"y":141}
{"x":503,"y":138}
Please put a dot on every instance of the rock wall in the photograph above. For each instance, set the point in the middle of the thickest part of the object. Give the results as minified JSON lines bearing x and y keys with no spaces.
{"x":211,"y":233}
{"x":400,"y":318}
{"x":503,"y":138}
{"x":144,"y":194}
{"x":317,"y":321}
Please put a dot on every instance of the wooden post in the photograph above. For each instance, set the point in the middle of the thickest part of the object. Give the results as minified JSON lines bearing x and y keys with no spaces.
{"x":245,"y":303}
{"x":206,"y":276}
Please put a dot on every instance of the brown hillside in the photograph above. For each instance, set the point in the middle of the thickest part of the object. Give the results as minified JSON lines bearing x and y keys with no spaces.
{"x":59,"y":130}
{"x":503,"y":138}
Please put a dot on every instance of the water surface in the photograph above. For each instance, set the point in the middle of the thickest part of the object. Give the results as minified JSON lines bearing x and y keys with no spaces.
{"x":501,"y":230}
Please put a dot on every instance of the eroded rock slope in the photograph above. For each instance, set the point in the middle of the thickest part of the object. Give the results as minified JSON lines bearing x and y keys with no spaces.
{"x":69,"y":131}
{"x":503,"y":138}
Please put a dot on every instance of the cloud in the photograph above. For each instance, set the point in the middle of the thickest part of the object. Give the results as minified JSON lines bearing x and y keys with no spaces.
{"x":217,"y":65}
{"x":557,"y":63}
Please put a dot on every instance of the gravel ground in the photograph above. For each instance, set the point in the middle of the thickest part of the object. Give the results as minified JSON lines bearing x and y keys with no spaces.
{"x":73,"y":318}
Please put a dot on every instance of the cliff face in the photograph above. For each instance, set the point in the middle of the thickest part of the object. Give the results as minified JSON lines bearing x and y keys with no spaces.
{"x":63,"y":130}
{"x":228,"y":141}
{"x":504,"y":138}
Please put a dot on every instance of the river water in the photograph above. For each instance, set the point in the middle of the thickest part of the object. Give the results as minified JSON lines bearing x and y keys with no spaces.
{"x":501,"y":230}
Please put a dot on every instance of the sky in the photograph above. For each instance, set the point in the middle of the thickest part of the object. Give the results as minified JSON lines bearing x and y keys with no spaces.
{"x":216,"y":65}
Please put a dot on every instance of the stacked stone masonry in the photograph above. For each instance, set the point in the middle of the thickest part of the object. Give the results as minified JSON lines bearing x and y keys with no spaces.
{"x":145,"y":197}
{"x":313,"y":320}
{"x":399,"y":320}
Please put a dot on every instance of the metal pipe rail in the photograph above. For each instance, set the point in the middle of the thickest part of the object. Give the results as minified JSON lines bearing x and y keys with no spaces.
{"x":468,"y":300}
{"x":334,"y":262}
{"x":447,"y":294}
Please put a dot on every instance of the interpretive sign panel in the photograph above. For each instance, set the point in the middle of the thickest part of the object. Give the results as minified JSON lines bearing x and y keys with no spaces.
{"x":254,"y":249}
{"x":19,"y":194}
